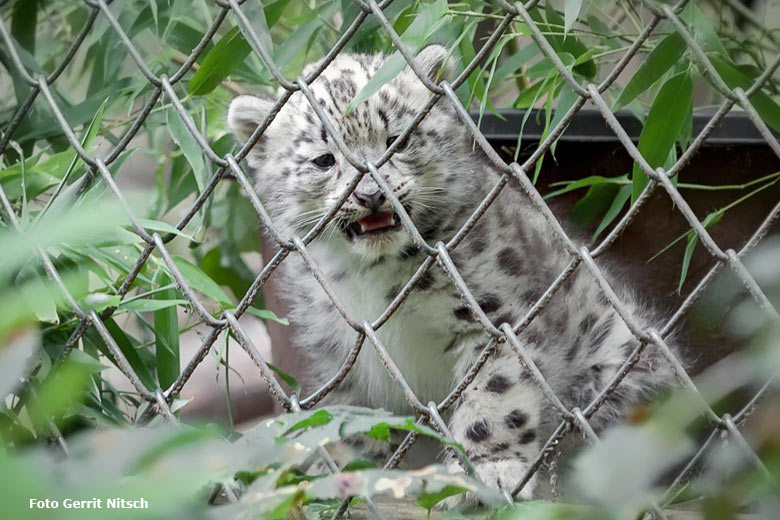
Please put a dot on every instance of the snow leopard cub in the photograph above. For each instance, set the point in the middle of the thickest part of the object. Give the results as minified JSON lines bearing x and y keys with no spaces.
{"x":508,"y":260}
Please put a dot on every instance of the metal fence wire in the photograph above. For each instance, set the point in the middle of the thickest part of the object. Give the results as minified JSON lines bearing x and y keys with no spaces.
{"x":575,"y":419}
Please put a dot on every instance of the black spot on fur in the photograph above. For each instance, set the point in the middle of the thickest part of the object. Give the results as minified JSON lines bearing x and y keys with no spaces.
{"x":463,"y":313}
{"x":601,"y":332}
{"x":426,"y":281}
{"x":451,"y":344}
{"x":378,"y":261}
{"x":509,"y":261}
{"x":515,"y":419}
{"x":383,"y":117}
{"x":393,"y":292}
{"x":478,"y":432}
{"x":519,"y":456}
{"x":528,"y":436}
{"x":587,"y":323}
{"x":572,"y":352}
{"x":501,"y":446}
{"x":489,"y":303}
{"x":409,"y":251}
{"x":532,"y":296}
{"x":498,"y":384}
{"x":478,"y":244}
{"x":505,"y":318}
{"x":355,"y":441}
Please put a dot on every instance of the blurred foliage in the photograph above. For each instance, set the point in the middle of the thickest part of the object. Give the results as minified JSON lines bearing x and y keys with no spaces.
{"x":64,"y":209}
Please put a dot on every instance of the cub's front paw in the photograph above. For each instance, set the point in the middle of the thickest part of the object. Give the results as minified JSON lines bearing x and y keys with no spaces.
{"x":498,"y":474}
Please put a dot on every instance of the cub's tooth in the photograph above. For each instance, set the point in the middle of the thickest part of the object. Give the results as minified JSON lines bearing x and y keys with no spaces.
{"x":362,"y":228}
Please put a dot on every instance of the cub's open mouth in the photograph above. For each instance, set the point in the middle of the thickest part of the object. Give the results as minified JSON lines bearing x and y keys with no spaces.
{"x":373,"y":225}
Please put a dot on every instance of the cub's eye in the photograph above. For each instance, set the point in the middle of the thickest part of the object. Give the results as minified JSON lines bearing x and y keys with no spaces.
{"x":325,"y":161}
{"x":391,"y":140}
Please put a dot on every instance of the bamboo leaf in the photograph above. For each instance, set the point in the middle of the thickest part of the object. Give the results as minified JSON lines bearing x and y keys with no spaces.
{"x":231,"y":50}
{"x":595,"y":202}
{"x":265,"y":314}
{"x":660,"y":59}
{"x":128,"y":349}
{"x":304,"y":34}
{"x":735,"y":77}
{"x":614,"y":210}
{"x":166,"y":334}
{"x":163,"y":227}
{"x":428,"y":500}
{"x":705,"y":32}
{"x":424,"y":26}
{"x":571,"y":10}
{"x":201,"y":282}
{"x":150,"y":305}
{"x":566,"y":99}
{"x":188,"y":145}
{"x":583,"y":183}
{"x":662,"y":127}
{"x":693,"y":238}
{"x":287,"y":378}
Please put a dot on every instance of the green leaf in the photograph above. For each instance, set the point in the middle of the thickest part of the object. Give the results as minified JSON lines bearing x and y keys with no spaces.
{"x":304,"y":34}
{"x":735,"y":77}
{"x":424,"y":26}
{"x":127,"y":348}
{"x":98,"y":301}
{"x":59,"y":391}
{"x":514,"y":62}
{"x":358,"y":465}
{"x":380,"y":431}
{"x":265,"y":314}
{"x":43,"y":305}
{"x":662,"y":127}
{"x":201,"y":282}
{"x":566,"y":100}
{"x":287,"y":378}
{"x":704,"y":31}
{"x":166,"y":334}
{"x":571,"y":10}
{"x":274,"y":10}
{"x":693,"y":237}
{"x":428,"y":500}
{"x":318,"y":418}
{"x":614,"y":210}
{"x":150,"y":305}
{"x":163,"y":227}
{"x":595,"y":202}
{"x":188,"y":145}
{"x":660,"y":59}
{"x":553,"y":28}
{"x":231,"y":50}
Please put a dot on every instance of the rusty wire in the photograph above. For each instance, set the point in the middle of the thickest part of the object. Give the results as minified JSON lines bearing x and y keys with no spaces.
{"x":365,"y":333}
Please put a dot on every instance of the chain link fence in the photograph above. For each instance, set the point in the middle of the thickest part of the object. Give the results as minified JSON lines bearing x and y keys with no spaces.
{"x":229,"y":165}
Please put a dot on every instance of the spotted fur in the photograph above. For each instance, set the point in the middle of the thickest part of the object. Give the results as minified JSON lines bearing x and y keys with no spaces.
{"x":508,"y":260}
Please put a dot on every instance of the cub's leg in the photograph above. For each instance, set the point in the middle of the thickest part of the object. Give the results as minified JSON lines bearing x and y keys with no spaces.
{"x":497,"y":420}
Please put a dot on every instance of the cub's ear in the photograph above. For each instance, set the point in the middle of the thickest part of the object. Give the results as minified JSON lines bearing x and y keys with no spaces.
{"x":246,"y":112}
{"x":433,"y":58}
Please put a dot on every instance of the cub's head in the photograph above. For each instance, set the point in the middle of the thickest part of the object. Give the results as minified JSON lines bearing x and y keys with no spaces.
{"x":300,"y":172}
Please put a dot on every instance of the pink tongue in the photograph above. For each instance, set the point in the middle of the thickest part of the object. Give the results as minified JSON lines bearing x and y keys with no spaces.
{"x":378,"y":221}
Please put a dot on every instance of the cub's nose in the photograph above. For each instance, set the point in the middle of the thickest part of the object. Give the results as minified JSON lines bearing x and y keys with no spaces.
{"x":371,"y":201}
